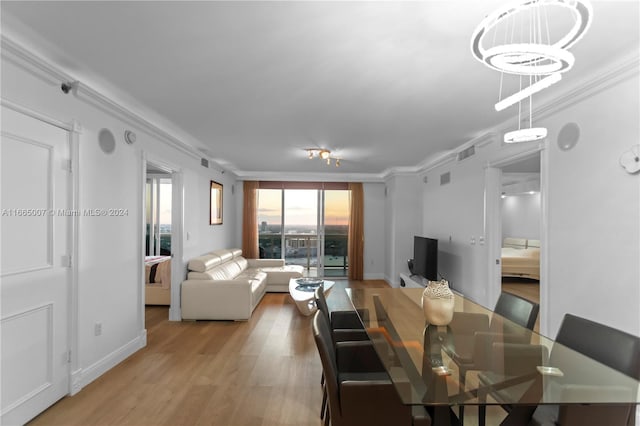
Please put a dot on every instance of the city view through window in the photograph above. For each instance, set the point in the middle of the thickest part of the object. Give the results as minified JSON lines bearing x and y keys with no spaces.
{"x":311,"y":226}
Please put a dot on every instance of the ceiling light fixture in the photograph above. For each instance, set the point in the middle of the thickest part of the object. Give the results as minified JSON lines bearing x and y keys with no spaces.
{"x":323,"y":154}
{"x":534,"y":54}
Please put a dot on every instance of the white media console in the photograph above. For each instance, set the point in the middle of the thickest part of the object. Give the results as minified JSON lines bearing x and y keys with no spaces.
{"x":412,"y":281}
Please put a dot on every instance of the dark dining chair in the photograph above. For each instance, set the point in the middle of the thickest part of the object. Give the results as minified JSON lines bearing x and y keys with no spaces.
{"x":614,"y":348}
{"x":345,"y":325}
{"x":358,"y":393}
{"x":473,"y":335}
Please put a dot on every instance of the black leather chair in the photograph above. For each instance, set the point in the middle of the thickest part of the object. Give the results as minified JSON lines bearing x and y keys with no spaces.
{"x":614,"y":348}
{"x":359,"y":393}
{"x":474,"y":335}
{"x":345,"y":325}
{"x":607,"y":345}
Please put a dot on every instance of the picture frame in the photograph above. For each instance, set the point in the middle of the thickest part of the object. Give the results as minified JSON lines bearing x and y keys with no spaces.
{"x":215,"y":203}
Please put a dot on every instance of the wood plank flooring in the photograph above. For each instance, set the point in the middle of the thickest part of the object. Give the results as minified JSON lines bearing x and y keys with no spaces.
{"x":264,"y":371}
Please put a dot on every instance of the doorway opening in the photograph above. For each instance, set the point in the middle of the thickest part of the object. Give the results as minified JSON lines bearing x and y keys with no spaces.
{"x":516,"y":230}
{"x":158,"y":235}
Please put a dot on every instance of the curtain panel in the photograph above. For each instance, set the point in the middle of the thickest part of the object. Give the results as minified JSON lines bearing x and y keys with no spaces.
{"x":356,"y":232}
{"x":250,"y":220}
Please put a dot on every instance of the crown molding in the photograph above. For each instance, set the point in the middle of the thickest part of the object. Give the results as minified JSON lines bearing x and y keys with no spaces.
{"x":606,"y":77}
{"x":309,"y":177}
{"x":52,"y":74}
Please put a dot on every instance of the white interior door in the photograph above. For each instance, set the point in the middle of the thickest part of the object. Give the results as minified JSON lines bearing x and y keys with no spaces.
{"x":34,"y":268}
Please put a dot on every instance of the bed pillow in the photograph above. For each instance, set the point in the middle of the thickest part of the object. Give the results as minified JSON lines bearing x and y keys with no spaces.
{"x":517,"y":243}
{"x":533,"y":244}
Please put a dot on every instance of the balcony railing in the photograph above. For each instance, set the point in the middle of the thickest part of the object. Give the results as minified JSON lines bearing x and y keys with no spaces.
{"x":302,"y":249}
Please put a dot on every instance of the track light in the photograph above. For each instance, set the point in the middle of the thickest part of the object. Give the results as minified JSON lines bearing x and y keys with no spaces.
{"x":323,"y":154}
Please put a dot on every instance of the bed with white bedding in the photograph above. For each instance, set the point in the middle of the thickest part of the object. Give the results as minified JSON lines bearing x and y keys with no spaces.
{"x":157,"y":277}
{"x":521,"y":258}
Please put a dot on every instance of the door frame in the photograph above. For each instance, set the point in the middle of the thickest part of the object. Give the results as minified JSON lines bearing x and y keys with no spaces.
{"x":177,"y":226}
{"x":73,"y":129}
{"x":493,"y":225}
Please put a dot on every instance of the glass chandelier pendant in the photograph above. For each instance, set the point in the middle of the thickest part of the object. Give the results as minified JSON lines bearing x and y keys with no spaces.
{"x":528,"y":49}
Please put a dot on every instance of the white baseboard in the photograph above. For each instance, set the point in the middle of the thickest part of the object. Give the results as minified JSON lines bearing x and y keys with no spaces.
{"x":377,"y":276}
{"x":82,"y":377}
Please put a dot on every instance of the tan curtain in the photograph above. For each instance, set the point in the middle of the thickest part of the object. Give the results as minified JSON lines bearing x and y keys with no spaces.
{"x":250,"y":220}
{"x":356,"y":232}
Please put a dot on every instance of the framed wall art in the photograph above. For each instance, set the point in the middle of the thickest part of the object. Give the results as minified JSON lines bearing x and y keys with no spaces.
{"x":215,"y":204}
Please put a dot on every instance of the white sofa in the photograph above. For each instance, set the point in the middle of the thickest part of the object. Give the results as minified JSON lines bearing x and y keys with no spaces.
{"x":223,"y":285}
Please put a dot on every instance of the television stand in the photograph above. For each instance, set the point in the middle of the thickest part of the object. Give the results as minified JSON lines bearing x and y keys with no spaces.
{"x":412,"y":281}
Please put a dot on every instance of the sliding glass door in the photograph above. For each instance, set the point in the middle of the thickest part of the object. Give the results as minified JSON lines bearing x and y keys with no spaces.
{"x":336,"y":228}
{"x":158,"y":232}
{"x":305,"y":227}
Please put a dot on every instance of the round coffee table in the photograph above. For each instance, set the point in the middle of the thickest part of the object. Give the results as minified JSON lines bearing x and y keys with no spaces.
{"x":303,"y":290}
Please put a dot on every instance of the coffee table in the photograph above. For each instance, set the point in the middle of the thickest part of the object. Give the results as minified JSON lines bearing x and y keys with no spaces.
{"x":302,"y":292}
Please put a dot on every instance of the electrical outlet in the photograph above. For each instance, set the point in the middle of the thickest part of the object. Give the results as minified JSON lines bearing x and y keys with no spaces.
{"x":97,"y":329}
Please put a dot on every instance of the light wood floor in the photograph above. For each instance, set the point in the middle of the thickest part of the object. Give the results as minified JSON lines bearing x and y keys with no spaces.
{"x":264,"y":371}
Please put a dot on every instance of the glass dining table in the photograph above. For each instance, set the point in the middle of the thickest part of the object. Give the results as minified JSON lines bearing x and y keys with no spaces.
{"x":416,"y":358}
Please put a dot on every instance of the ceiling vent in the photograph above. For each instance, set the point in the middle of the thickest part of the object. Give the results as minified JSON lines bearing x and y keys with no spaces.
{"x":466,"y":153}
{"x":204,"y":162}
{"x":445,"y":178}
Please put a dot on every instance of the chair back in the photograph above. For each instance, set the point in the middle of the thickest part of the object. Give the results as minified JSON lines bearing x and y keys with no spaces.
{"x":517,"y":309}
{"x":607,"y":345}
{"x":326,"y":350}
{"x":321,"y":303}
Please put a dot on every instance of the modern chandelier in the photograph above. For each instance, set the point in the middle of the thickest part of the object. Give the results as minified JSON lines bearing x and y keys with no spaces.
{"x":523,"y":43}
{"x":322,"y":154}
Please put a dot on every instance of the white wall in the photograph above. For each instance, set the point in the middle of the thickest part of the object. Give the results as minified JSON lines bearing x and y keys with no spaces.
{"x":593,"y":227}
{"x":110,"y":249}
{"x":594,"y":218}
{"x":521,"y":216}
{"x":453,"y":213}
{"x":374,"y":235}
{"x":403,"y":211}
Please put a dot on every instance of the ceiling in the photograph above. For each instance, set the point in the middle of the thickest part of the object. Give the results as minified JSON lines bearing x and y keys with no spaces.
{"x":381,"y":84}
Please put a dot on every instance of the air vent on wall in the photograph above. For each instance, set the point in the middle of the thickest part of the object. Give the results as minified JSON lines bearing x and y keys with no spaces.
{"x":466,"y":153}
{"x":445,"y":178}
{"x":204,"y":162}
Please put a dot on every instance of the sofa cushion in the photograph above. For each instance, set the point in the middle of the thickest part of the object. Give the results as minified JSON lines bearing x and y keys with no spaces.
{"x":226,"y":271}
{"x":236,"y":252}
{"x":242,"y":262}
{"x":282,"y":274}
{"x":252,"y":274}
{"x":202,"y":263}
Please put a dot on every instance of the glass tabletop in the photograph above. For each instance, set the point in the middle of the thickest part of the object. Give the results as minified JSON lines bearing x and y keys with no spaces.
{"x":515,"y":365}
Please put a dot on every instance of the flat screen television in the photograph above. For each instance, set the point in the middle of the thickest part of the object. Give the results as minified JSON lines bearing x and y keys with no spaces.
{"x":425,"y":257}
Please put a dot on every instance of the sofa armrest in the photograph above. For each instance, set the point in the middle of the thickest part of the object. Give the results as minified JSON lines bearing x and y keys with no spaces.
{"x":264,"y":263}
{"x":216,"y":299}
